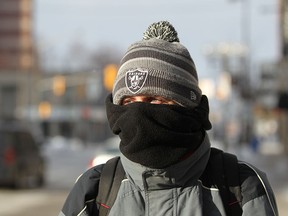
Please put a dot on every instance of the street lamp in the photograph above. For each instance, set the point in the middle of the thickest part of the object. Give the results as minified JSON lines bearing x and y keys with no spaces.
{"x":245,"y":21}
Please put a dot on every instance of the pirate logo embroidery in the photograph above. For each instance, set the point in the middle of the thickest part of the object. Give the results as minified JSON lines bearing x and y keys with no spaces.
{"x":135,"y":80}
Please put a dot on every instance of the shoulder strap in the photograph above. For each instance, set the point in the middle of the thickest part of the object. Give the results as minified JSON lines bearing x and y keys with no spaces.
{"x":231,"y":172}
{"x":224,"y":169}
{"x":110,"y":181}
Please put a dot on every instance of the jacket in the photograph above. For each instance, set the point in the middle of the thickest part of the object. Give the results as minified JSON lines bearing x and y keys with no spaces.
{"x":173,"y":191}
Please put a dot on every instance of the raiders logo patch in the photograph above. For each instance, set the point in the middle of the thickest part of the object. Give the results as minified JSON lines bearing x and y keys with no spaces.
{"x":135,"y":80}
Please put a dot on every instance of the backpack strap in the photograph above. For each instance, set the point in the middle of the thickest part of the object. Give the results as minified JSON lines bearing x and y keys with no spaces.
{"x":111,"y":177}
{"x":233,"y":183}
{"x":223,"y":167}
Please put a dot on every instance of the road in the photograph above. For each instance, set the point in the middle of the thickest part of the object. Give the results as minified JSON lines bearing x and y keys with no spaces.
{"x":44,"y":202}
{"x":65,"y":164}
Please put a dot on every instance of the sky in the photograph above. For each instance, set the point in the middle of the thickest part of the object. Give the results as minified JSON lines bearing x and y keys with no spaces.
{"x":199,"y":23}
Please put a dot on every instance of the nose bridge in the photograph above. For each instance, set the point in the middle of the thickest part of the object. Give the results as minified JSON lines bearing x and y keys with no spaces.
{"x":140,"y":99}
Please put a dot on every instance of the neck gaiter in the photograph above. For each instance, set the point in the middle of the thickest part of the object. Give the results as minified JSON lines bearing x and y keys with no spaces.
{"x":157,"y":135}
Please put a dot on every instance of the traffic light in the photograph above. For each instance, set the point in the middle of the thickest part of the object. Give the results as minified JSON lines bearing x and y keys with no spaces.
{"x":59,"y":85}
{"x":44,"y":110}
{"x":109,"y":75}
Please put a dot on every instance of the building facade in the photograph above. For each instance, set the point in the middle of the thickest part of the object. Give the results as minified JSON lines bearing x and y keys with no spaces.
{"x":17,"y":59}
{"x":71,"y":105}
{"x":16,"y":43}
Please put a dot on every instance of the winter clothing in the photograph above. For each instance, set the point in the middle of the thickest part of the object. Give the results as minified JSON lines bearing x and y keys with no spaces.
{"x":165,"y":148}
{"x":175,"y":190}
{"x":158,"y":66}
{"x":150,"y":133}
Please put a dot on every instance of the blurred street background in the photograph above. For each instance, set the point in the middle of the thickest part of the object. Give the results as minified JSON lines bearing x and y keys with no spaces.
{"x":58,"y":61}
{"x":67,"y":159}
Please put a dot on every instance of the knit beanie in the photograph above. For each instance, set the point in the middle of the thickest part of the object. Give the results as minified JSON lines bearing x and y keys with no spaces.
{"x":158,"y":65}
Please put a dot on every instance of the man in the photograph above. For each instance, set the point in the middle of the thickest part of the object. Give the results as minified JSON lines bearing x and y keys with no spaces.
{"x":161,"y":117}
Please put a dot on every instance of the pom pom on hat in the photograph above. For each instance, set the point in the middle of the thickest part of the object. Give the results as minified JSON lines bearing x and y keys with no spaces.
{"x":162,"y":30}
{"x":158,"y":65}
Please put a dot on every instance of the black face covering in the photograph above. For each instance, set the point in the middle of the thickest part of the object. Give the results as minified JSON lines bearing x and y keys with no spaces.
{"x":157,"y":135}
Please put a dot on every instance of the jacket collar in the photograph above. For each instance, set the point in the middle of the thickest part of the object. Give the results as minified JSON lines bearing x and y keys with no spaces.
{"x":183,"y":174}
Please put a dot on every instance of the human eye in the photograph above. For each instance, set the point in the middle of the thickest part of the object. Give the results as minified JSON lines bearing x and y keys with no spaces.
{"x":157,"y":101}
{"x":127,"y":101}
{"x":161,"y":100}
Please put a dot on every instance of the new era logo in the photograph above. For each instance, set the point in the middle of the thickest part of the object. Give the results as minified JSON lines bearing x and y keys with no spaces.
{"x":135,"y":80}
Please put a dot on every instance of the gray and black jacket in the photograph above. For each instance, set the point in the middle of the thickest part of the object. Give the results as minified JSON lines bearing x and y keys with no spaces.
{"x":173,"y":191}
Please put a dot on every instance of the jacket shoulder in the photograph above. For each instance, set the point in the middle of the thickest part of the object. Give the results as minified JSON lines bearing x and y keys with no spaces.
{"x":255,"y":184}
{"x":84,"y":192}
{"x":91,"y":175}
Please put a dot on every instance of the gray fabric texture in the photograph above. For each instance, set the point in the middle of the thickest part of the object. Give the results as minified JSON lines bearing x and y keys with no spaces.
{"x":171,"y":191}
{"x":156,"y":67}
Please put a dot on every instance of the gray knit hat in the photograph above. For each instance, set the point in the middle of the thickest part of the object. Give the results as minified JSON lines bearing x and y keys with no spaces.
{"x":158,"y":65}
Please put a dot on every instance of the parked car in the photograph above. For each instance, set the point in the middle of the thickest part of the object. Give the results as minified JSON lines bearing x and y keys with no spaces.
{"x":22,"y":164}
{"x":107,"y":150}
